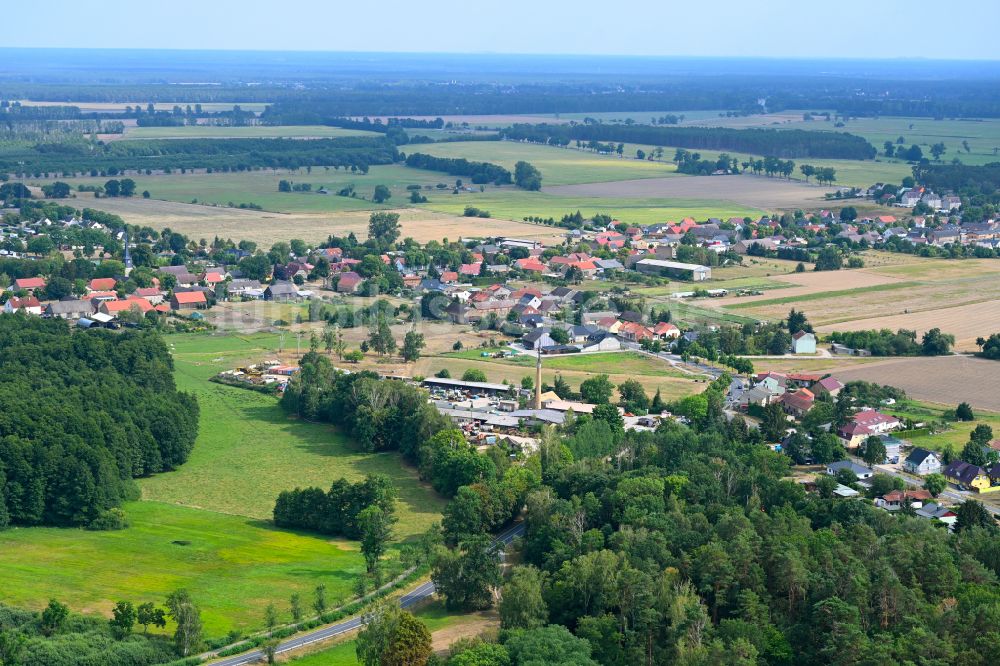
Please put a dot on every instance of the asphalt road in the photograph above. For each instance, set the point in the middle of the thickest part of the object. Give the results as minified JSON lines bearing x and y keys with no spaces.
{"x":411,"y":598}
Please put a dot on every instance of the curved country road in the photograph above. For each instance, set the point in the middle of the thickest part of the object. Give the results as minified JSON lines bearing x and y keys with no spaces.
{"x":414,"y":596}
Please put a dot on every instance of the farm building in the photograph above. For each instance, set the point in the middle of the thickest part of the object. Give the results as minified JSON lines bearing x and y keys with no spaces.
{"x":803,"y":343}
{"x":693,"y":272}
{"x":188,"y":300}
{"x":471,"y":387}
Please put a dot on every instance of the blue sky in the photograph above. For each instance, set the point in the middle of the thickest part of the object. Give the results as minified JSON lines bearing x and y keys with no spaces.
{"x":963,"y":29}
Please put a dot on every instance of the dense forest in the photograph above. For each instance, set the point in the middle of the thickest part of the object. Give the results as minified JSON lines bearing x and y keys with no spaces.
{"x":958,"y":177}
{"x":777,"y":143}
{"x":84,"y":413}
{"x":219,"y":154}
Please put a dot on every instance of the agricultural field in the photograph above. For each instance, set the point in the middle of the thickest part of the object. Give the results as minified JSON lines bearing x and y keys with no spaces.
{"x":559,"y":166}
{"x":266,"y":228}
{"x":250,"y":132}
{"x":205,"y":526}
{"x":517,"y":204}
{"x":757,"y":192}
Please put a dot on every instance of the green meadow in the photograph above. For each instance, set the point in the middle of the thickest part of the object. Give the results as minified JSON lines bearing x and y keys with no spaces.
{"x":205,"y":526}
{"x":261,"y":187}
{"x":559,"y":166}
{"x":513,"y":204}
{"x":233,"y":566}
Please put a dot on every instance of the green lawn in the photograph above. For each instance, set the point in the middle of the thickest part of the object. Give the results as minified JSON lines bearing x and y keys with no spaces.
{"x":957,"y":433}
{"x":235,"y":561}
{"x":254,"y":132}
{"x":614,"y":363}
{"x":233,"y":566}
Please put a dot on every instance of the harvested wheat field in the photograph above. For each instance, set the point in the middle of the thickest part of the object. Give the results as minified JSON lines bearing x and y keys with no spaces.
{"x":945,"y":380}
{"x":806,"y":284}
{"x":753,"y":191}
{"x":266,"y":228}
{"x":965,"y":322}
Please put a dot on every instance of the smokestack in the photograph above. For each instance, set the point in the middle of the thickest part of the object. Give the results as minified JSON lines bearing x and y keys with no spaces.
{"x":538,"y":380}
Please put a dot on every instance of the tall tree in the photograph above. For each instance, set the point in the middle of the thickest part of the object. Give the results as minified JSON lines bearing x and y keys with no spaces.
{"x":184,"y":612}
{"x":376,"y":532}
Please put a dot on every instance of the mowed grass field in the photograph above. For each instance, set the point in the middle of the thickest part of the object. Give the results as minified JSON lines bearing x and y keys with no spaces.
{"x":205,"y":526}
{"x":249,"y":450}
{"x":233,"y":566}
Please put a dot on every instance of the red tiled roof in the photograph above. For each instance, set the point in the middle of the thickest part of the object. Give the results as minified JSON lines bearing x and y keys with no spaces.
{"x":102,"y":284}
{"x":129,"y":303}
{"x":29,"y":283}
{"x":190,"y":297}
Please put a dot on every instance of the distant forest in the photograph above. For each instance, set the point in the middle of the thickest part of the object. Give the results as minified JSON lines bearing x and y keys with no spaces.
{"x":776,"y":143}
{"x":218,"y":154}
{"x":85,"y":412}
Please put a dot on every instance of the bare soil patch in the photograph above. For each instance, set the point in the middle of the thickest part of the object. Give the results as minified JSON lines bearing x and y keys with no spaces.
{"x":470,"y":626}
{"x":265,"y":228}
{"x":945,"y":379}
{"x":754,"y":191}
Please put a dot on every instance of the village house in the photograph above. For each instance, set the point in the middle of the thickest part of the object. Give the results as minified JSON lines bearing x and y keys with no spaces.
{"x":349,"y":283}
{"x":281,"y":291}
{"x":69,"y":309}
{"x":29,"y":284}
{"x":115,"y":308}
{"x":102,"y":284}
{"x":967,"y":476}
{"x":859,"y":471}
{"x":803,"y":343}
{"x":28,"y":305}
{"x":897,"y":499}
{"x":922,"y":462}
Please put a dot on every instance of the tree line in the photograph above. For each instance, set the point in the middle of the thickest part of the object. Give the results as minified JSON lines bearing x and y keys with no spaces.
{"x":479,"y":173}
{"x":85,"y":413}
{"x":779,"y":143}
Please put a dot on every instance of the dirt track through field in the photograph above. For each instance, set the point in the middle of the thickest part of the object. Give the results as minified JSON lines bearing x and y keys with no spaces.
{"x":945,"y":380}
{"x":753,"y":191}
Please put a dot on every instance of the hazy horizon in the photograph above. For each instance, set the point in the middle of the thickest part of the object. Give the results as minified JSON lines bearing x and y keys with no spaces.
{"x":853,"y":29}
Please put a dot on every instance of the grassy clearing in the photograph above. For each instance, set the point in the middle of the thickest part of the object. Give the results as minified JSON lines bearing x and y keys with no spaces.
{"x":253,"y":132}
{"x":248,"y":450}
{"x":233,"y":566}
